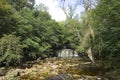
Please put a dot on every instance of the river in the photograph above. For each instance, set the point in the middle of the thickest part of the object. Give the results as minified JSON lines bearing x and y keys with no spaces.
{"x":57,"y":69}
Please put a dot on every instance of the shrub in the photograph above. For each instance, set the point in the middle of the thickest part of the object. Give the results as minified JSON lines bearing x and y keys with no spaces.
{"x":10,"y":50}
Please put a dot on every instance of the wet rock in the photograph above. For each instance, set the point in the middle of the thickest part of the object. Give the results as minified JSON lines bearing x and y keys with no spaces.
{"x":84,"y":78}
{"x":2,"y":78}
{"x":62,"y":77}
{"x":3,"y":72}
{"x":56,"y":69}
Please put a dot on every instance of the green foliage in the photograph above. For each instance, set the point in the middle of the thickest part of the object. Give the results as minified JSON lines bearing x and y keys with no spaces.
{"x":5,"y":8}
{"x":41,"y":7}
{"x":106,"y":22}
{"x":10,"y":50}
{"x":20,"y":4}
{"x":72,"y":33}
{"x":38,"y":32}
{"x":8,"y":17}
{"x":42,"y":36}
{"x":5,"y":12}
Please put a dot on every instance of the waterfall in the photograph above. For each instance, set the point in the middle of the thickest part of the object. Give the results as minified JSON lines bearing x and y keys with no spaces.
{"x":67,"y":53}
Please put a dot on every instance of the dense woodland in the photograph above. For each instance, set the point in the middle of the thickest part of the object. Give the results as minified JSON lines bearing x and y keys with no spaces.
{"x":27,"y":32}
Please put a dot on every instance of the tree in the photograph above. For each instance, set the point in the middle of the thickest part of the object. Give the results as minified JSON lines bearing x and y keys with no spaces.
{"x":39,"y":32}
{"x":10,"y":50}
{"x":5,"y":12}
{"x":87,"y":37}
{"x":107,"y":22}
{"x":9,"y":19}
{"x":71,"y":27}
{"x":89,"y":34}
{"x":41,"y":7}
{"x":20,"y":4}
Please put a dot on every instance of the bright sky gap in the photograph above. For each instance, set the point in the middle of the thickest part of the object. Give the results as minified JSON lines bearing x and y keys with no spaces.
{"x":54,"y":8}
{"x":55,"y":11}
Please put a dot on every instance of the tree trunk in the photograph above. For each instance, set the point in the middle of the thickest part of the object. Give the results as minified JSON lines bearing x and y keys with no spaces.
{"x":90,"y":51}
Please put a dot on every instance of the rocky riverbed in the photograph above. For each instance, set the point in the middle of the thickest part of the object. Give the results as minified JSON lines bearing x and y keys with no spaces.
{"x":56,"y":69}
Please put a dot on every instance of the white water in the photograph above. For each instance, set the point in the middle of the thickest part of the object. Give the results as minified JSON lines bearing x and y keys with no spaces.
{"x":67,"y":53}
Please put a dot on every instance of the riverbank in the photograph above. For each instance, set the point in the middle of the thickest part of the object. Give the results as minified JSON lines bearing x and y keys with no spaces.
{"x":56,"y":69}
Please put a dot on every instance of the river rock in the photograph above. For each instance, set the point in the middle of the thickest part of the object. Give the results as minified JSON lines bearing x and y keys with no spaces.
{"x":84,"y":78}
{"x":3,"y":72}
{"x":62,"y":77}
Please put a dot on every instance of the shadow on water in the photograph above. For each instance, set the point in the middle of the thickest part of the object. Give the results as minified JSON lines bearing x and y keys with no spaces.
{"x":87,"y":69}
